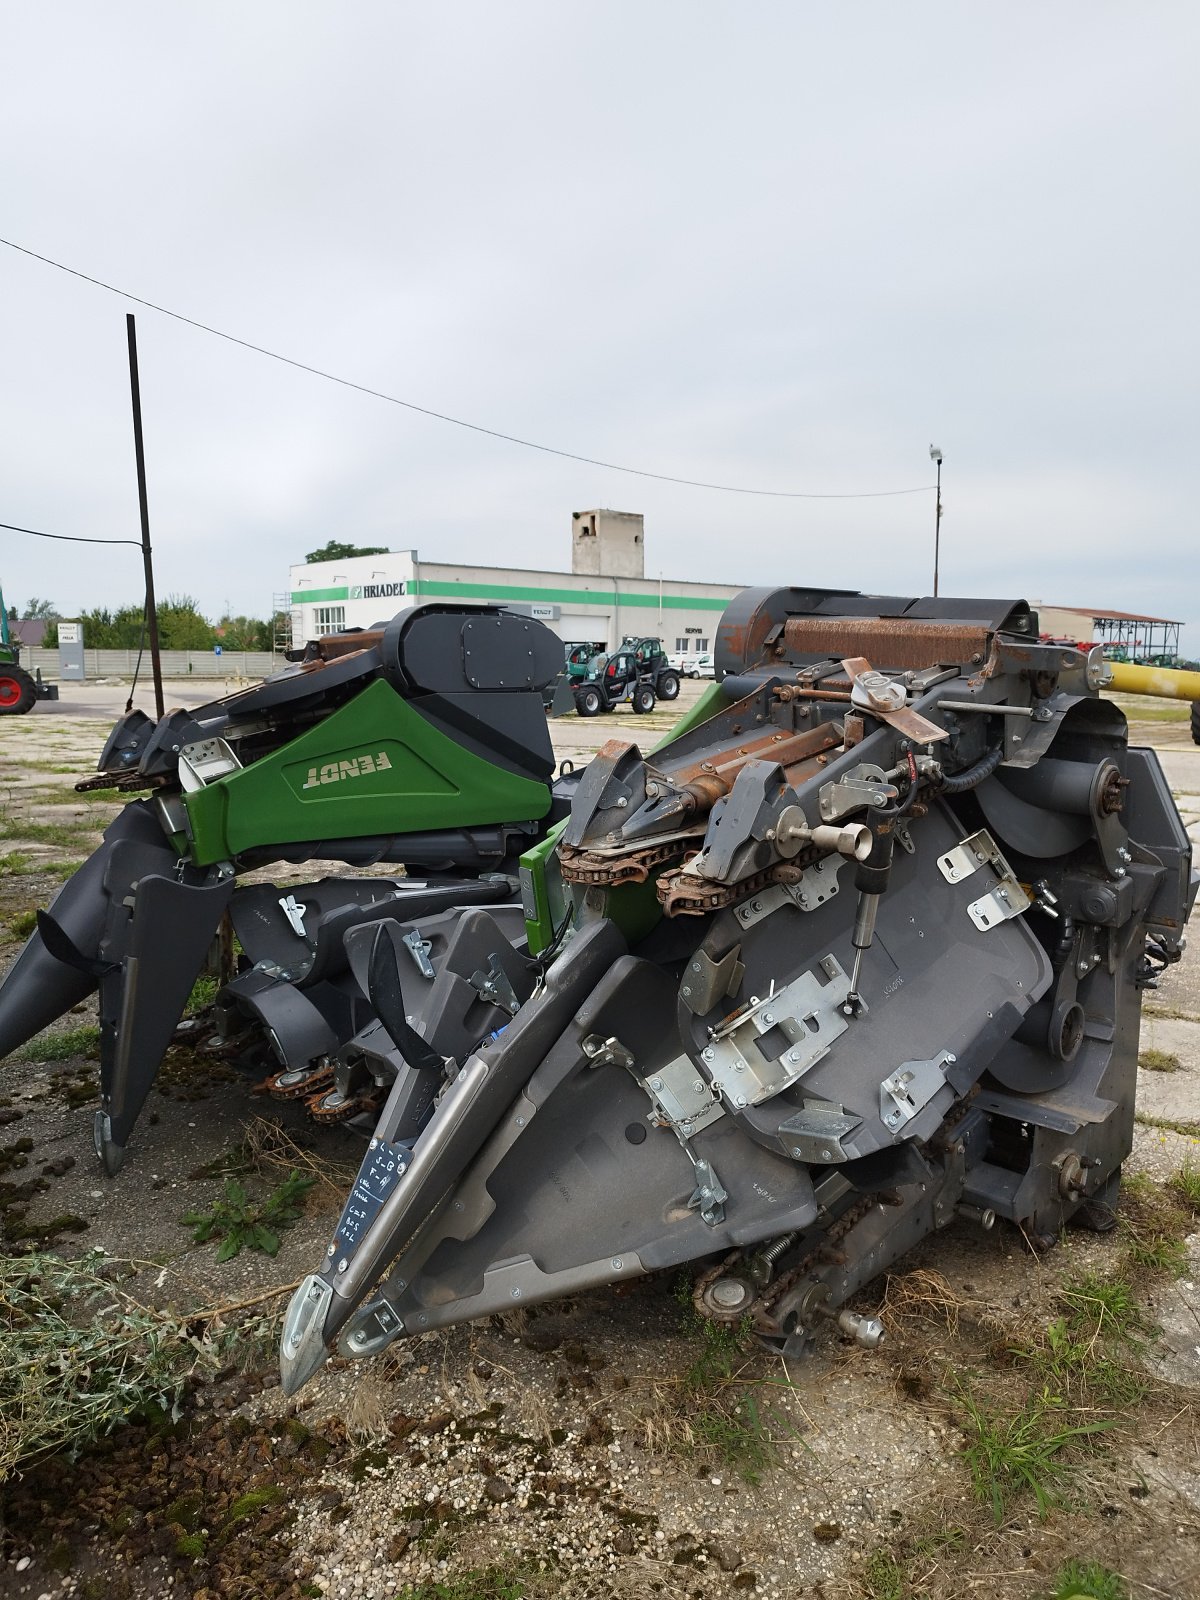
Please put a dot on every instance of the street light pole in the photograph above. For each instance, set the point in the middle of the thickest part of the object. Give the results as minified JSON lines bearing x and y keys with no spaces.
{"x":935,"y":455}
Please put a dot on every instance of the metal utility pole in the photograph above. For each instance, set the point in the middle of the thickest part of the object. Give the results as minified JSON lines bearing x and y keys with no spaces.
{"x":935,"y":455}
{"x":147,"y":561}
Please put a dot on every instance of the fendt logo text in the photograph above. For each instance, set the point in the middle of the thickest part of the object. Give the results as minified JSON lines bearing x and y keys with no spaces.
{"x":356,"y":767}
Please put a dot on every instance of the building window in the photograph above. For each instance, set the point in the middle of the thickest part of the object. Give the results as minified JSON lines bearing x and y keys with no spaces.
{"x":701,"y":644}
{"x":682,"y":646}
{"x":328,"y":619}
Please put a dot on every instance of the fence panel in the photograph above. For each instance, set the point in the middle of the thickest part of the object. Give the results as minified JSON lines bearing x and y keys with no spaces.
{"x":175,"y":663}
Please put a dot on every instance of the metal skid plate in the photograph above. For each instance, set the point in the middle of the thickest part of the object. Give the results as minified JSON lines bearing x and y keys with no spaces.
{"x":1004,"y":899}
{"x":767,"y":1047}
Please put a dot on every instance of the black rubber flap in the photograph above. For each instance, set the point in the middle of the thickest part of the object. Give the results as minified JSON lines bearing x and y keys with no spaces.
{"x":173,"y":925}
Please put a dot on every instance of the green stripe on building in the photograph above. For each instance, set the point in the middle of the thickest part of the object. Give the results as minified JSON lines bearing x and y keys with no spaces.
{"x":299,"y":596}
{"x":425,"y":588}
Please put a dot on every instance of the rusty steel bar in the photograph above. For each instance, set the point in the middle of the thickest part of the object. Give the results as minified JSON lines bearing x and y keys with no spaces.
{"x":905,"y":643}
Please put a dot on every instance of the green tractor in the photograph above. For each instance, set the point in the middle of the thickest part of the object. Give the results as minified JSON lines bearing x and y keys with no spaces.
{"x":18,"y":689}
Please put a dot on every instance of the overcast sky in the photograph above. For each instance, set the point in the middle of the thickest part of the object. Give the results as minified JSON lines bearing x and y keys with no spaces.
{"x":784,"y":246}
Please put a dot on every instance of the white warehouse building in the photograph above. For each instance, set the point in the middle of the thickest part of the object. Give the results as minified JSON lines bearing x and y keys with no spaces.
{"x":605,"y":596}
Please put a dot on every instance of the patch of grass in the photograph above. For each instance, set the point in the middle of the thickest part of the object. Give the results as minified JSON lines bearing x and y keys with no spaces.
{"x":22,"y":923}
{"x":60,"y":834}
{"x":1077,"y":1363}
{"x":1190,"y":1130}
{"x":12,"y":863}
{"x":713,"y":1412}
{"x":204,"y":992}
{"x":239,"y":1223}
{"x":79,"y":1357}
{"x":1105,"y":1306}
{"x":475,"y":1583}
{"x":1079,"y":1580}
{"x":63,"y":1046}
{"x":62,"y":870}
{"x":1158,"y":1061}
{"x":1010,"y":1454}
{"x":1185,"y":1185}
{"x":902,"y":1572}
{"x":884,"y":1577}
{"x":1153,"y":1225}
{"x":1144,"y":713}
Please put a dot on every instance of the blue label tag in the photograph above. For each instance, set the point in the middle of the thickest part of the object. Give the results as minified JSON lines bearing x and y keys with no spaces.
{"x":381,"y":1170}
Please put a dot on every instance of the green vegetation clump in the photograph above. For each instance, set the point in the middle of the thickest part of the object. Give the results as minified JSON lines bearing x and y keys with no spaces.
{"x":239,"y":1223}
{"x":1185,"y":1185}
{"x":204,"y":992}
{"x":1154,"y":1225}
{"x":1011,"y":1453}
{"x":84,"y":1041}
{"x":476,"y":1583}
{"x":252,"y":1501}
{"x":79,"y":1358}
{"x":22,"y":923}
{"x":1158,"y":1061}
{"x":1080,"y":1580}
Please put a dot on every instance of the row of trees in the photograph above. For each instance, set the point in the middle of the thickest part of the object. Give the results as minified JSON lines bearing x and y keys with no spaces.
{"x":181,"y":626}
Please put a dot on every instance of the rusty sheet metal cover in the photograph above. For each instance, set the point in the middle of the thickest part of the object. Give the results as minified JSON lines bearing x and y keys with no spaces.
{"x":890,"y":643}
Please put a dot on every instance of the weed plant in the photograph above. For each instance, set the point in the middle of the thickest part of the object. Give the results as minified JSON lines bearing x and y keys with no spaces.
{"x":1087,"y":1581}
{"x":1012,"y":1453}
{"x":239,"y":1223}
{"x":79,"y":1357}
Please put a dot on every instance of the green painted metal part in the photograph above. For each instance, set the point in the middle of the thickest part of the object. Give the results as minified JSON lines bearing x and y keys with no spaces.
{"x":542,"y":891}
{"x":375,"y":766}
{"x":713,"y":699}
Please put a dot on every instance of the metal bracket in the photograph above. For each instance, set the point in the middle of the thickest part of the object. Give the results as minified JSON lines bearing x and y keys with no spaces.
{"x":708,"y":1197}
{"x":419,"y":949}
{"x":864,"y":785}
{"x":910,"y":1088}
{"x":295,"y":914}
{"x":606,"y":1052}
{"x":495,"y":987}
{"x":817,"y":884}
{"x":374,"y":1327}
{"x":683,"y":1097}
{"x":817,"y":1132}
{"x":1006,"y":899}
{"x":706,"y":981}
{"x":204,"y":762}
{"x":806,"y":1016}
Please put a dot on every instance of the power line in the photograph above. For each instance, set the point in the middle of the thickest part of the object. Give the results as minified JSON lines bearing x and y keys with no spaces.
{"x":441,"y":416}
{"x":70,"y":538}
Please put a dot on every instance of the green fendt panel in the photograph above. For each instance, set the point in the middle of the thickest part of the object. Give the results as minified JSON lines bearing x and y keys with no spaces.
{"x":375,"y":766}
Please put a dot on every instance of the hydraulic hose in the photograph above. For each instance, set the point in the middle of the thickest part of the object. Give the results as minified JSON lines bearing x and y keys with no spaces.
{"x":974,"y":776}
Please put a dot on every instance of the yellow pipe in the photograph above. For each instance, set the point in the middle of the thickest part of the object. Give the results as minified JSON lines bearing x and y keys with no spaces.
{"x":1169,"y":682}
